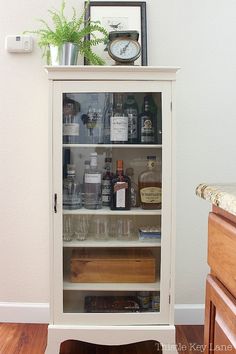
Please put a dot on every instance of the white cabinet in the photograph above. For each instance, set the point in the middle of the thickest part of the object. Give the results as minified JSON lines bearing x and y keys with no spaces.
{"x":107,"y":277}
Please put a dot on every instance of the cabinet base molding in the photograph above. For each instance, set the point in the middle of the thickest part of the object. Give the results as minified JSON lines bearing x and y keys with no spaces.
{"x":111,"y":335}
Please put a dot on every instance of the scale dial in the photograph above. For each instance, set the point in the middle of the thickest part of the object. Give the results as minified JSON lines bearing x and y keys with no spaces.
{"x":123,"y":48}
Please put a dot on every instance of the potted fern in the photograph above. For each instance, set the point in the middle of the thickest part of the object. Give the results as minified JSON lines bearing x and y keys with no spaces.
{"x":62,"y":42}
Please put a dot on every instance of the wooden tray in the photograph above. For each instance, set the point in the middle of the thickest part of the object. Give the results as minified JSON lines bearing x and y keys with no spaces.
{"x":112,"y":266}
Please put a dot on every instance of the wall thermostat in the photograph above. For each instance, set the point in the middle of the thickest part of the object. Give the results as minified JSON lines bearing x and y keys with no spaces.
{"x":19,"y":44}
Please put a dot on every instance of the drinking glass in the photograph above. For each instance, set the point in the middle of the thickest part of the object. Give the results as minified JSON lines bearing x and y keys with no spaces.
{"x":125,"y":229}
{"x":67,"y":228}
{"x":80,"y":227}
{"x":99,"y":228}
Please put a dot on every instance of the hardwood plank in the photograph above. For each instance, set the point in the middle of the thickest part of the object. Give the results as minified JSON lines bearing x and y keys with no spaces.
{"x":189,"y":339}
{"x":20,"y":338}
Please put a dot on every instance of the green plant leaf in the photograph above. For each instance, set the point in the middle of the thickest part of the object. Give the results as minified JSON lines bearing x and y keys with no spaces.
{"x":74,"y":30}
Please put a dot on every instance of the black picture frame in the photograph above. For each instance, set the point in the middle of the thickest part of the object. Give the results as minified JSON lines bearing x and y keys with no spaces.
{"x":95,"y":9}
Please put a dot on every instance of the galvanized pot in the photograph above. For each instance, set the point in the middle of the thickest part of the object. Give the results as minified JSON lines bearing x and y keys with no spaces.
{"x":66,"y":54}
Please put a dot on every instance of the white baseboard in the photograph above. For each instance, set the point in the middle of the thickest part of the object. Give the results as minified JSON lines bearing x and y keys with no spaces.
{"x":189,"y":314}
{"x":18,"y":312}
{"x":24,"y":312}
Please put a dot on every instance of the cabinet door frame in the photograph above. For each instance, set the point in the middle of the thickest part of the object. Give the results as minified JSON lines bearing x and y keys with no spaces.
{"x":167,"y":260}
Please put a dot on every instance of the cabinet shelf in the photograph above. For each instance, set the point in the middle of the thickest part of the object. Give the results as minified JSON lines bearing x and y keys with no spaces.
{"x":108,"y":211}
{"x":67,"y":285}
{"x":112,"y":243}
{"x":115,"y":146}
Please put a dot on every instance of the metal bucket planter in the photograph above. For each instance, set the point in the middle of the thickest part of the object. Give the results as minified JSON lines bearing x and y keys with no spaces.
{"x":66,"y":54}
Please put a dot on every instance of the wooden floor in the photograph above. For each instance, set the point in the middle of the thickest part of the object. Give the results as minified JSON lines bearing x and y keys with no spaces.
{"x":32,"y":339}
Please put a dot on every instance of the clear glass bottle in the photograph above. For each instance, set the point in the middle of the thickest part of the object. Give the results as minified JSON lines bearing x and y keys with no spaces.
{"x":131,"y":110}
{"x":147,"y":132}
{"x":150,"y":186}
{"x":94,"y":122}
{"x":71,"y":190}
{"x":134,"y":195}
{"x":86,"y":169}
{"x":70,"y":124}
{"x":107,"y":121}
{"x":93,"y":185}
{"x":119,"y":122}
{"x":98,"y":130}
{"x":120,"y":189}
{"x":106,"y":182}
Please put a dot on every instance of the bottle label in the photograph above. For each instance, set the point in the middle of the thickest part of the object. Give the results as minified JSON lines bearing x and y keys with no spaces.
{"x":71,"y":129}
{"x":119,"y":188}
{"x":119,"y":128}
{"x":92,"y":178}
{"x":106,"y":191}
{"x":151,"y":195}
{"x":147,"y":131}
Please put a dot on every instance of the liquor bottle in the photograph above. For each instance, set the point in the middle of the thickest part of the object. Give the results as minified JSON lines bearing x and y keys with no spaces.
{"x":149,"y":183}
{"x":157,"y":121}
{"x":92,"y":185}
{"x":134,"y":195}
{"x":93,"y":121}
{"x":98,"y":130}
{"x":106,"y":182}
{"x":70,"y":124}
{"x":86,"y":168}
{"x":147,"y":133}
{"x":119,"y":123}
{"x":120,"y":189}
{"x":131,"y":110}
{"x":71,"y":190}
{"x":108,"y":109}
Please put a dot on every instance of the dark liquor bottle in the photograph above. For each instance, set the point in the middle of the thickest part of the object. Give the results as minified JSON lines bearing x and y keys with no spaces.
{"x":119,"y":122}
{"x":131,"y":110}
{"x":106,"y":182}
{"x":157,"y":121}
{"x":147,"y":132}
{"x":120,"y":189}
{"x":150,"y":186}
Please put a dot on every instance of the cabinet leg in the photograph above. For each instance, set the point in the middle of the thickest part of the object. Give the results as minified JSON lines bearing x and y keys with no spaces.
{"x":53,"y":345}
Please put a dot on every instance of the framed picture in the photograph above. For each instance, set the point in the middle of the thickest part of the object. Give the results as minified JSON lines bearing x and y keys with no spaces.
{"x":119,"y":16}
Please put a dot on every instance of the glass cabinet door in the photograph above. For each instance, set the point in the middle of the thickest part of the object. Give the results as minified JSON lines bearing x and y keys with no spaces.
{"x":111,"y":229}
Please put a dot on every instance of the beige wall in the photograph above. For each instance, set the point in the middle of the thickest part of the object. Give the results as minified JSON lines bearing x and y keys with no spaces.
{"x":199,"y":36}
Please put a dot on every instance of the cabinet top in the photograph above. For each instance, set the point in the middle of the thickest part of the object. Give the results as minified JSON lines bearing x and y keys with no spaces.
{"x":89,"y":72}
{"x":221,"y":195}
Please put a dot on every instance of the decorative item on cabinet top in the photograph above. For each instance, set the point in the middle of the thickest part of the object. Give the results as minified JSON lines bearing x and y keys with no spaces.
{"x":123,"y":47}
{"x":120,"y":16}
{"x":63,"y":42}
